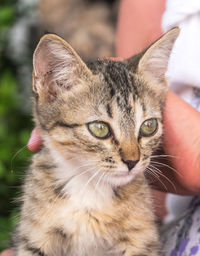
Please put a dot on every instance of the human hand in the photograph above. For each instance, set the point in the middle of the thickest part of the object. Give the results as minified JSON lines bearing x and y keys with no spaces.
{"x":8,"y":252}
{"x":35,"y":141}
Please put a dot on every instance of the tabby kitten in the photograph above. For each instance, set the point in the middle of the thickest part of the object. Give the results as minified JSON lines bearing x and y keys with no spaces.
{"x":85,"y":192}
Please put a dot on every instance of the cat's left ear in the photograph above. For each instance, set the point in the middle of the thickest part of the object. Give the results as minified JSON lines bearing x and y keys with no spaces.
{"x":57,"y":68}
{"x":154,"y":62}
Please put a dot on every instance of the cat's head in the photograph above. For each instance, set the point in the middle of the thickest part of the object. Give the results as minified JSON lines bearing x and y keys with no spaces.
{"x":104,"y":118}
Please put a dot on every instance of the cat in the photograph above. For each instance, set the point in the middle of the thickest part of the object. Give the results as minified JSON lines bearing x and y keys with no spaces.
{"x":85,"y":192}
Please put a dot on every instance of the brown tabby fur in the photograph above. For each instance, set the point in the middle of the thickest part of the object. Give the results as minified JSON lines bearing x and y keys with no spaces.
{"x":79,"y":196}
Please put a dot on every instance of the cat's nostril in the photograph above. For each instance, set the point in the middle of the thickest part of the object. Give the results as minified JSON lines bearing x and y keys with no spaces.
{"x":130,"y":164}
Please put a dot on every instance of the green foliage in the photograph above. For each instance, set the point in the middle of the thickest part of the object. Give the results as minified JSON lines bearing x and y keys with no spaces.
{"x":7,"y":224}
{"x":15,"y":127}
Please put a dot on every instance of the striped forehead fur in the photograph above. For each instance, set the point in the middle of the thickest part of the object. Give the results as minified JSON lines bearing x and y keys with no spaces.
{"x":124,"y":84}
{"x":119,"y":80}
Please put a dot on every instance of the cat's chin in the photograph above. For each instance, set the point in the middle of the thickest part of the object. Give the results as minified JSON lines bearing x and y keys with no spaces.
{"x":123,"y":178}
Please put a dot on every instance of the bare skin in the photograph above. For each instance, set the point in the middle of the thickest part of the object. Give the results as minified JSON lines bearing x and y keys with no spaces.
{"x":35,"y":143}
{"x":8,"y":252}
{"x":182,"y":141}
{"x":139,"y":25}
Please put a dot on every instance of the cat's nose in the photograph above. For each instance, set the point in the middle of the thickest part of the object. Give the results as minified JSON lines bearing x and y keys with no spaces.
{"x":130,"y":164}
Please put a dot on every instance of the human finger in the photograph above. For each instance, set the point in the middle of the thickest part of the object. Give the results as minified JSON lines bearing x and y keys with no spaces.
{"x":35,"y":141}
{"x":8,"y":252}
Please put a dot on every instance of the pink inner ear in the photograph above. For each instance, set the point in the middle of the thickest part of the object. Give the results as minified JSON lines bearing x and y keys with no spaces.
{"x":42,"y":59}
{"x":56,"y":67}
{"x":53,"y":56}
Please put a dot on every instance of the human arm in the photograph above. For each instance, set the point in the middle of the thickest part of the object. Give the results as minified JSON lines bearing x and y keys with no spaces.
{"x":182,"y":141}
{"x":139,"y":25}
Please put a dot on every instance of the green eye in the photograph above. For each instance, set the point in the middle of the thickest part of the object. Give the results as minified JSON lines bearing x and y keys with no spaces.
{"x":149,"y":127}
{"x":100,"y":130}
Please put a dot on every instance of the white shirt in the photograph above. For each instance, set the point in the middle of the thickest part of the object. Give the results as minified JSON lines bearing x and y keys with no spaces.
{"x":184,"y":64}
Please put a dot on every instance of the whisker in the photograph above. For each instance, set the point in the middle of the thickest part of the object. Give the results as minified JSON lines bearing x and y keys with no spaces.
{"x":150,"y":171}
{"x":161,"y":174}
{"x":98,"y":182}
{"x":84,"y":165}
{"x":108,"y":183}
{"x":163,"y":156}
{"x":166,"y":165}
{"x":90,"y":179}
{"x":83,"y":172}
{"x":15,"y":155}
{"x":78,"y":157}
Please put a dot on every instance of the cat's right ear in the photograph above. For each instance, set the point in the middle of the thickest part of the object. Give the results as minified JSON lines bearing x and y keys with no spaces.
{"x":152,"y":63}
{"x":56,"y":68}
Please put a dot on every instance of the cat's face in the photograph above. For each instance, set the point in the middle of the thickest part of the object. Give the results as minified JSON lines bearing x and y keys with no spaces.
{"x":105,"y":119}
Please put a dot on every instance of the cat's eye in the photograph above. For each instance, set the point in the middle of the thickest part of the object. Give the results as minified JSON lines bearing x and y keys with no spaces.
{"x":149,"y":127}
{"x":99,"y":129}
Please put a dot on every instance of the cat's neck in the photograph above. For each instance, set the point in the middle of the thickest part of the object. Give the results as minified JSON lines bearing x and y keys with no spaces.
{"x":83,"y":189}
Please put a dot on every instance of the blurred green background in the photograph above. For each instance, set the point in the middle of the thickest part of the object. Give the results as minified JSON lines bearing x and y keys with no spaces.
{"x":15,"y":124}
{"x":22,"y":22}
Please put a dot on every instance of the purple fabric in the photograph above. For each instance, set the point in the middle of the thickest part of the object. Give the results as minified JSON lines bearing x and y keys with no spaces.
{"x":182,"y":237}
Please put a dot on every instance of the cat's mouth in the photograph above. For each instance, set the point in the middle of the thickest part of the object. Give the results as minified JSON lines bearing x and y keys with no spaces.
{"x":127,"y":173}
{"x":121,"y":178}
{"x":123,"y":174}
